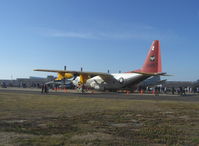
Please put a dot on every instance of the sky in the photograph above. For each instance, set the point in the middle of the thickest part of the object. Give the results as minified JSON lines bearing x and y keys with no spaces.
{"x":98,"y":35}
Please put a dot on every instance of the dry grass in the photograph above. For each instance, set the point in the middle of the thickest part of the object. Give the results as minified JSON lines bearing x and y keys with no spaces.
{"x":27,"y":119}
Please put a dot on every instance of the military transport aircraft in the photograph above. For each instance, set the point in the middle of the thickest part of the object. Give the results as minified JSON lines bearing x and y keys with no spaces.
{"x":105,"y":81}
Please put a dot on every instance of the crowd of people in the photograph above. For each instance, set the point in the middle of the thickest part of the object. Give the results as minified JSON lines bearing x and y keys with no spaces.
{"x":169,"y":90}
{"x":44,"y":89}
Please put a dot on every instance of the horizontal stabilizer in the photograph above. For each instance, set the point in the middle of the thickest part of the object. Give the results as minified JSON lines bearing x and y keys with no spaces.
{"x":151,"y":74}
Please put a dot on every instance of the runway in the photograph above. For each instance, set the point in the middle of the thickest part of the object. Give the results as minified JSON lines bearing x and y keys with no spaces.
{"x":110,"y":95}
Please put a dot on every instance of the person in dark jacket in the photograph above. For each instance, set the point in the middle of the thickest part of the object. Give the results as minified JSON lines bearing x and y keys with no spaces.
{"x":46,"y":88}
{"x":173,"y":90}
{"x":42,"y":88}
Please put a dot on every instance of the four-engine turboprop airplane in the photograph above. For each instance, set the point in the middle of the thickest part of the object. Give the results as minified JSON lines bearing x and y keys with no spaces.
{"x":105,"y":81}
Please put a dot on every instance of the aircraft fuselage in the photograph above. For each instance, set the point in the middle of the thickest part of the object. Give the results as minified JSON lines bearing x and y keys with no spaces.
{"x":120,"y":81}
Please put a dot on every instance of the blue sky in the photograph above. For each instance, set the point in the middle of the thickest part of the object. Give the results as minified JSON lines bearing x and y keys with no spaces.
{"x":98,"y":35}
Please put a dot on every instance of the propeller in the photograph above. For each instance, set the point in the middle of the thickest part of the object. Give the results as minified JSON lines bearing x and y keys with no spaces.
{"x":75,"y":76}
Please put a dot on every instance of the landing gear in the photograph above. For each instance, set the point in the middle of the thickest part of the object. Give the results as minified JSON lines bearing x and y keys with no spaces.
{"x":83,"y":79}
{"x":83,"y":87}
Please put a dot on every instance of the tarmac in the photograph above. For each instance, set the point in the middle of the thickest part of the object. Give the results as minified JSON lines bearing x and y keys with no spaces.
{"x":110,"y":95}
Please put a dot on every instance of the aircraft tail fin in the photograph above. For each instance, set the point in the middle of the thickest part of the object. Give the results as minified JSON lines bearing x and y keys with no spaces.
{"x":153,"y":62}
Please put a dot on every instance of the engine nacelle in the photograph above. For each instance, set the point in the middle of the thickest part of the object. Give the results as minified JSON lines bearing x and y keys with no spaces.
{"x":61,"y":76}
{"x":69,"y":75}
{"x":83,"y":79}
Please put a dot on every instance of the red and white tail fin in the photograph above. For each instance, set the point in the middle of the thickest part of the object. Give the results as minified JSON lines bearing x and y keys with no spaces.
{"x":153,"y":62}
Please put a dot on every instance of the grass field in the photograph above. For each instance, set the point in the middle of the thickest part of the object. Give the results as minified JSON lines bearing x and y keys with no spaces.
{"x":27,"y":119}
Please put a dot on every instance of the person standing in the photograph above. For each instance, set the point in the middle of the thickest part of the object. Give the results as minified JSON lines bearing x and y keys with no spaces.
{"x":181,"y":91}
{"x":42,"y":88}
{"x":173,"y":90}
{"x":156,"y":91}
{"x":46,"y":88}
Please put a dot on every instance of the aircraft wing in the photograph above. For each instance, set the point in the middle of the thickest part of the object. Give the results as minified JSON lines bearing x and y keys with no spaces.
{"x":105,"y":76}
